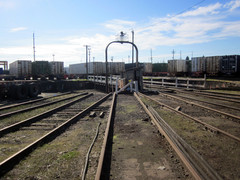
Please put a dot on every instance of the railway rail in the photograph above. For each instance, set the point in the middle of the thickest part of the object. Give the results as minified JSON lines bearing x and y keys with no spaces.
{"x":229,"y":140}
{"x":198,"y":167}
{"x":218,"y":93}
{"x":126,"y":152}
{"x":4,"y":115}
{"x":111,"y":157}
{"x":206,"y":107}
{"x":33,"y":119}
{"x":8,"y":106}
{"x":206,"y":102}
{"x":55,"y":126}
{"x":225,"y":97}
{"x":214,"y":129}
{"x":233,"y":115}
{"x":214,"y":96}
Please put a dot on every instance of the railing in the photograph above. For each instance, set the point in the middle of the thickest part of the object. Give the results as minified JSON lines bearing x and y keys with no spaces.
{"x":102,"y":79}
{"x":176,"y":81}
{"x":132,"y":86}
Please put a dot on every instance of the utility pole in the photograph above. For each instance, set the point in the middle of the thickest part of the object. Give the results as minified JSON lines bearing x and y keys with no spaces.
{"x":173,"y":53}
{"x":53,"y":56}
{"x":151,"y":56}
{"x":33,"y":48}
{"x":89,"y":59}
{"x":181,"y":55}
{"x":93,"y":65}
{"x":132,"y":47}
{"x":87,"y":46}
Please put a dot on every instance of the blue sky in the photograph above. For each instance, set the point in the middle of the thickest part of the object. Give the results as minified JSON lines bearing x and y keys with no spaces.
{"x":63,"y":27}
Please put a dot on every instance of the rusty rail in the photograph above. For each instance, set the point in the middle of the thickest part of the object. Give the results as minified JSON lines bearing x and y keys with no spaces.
{"x":37,"y":106}
{"x":198,"y":167}
{"x":204,"y":107}
{"x":10,"y":162}
{"x":31,"y":101}
{"x":195,"y":119}
{"x":104,"y":145}
{"x":33,"y":119}
{"x":211,"y":96}
{"x":211,"y":103}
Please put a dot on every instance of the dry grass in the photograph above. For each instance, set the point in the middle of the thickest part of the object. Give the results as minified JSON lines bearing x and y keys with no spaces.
{"x":221,"y":152}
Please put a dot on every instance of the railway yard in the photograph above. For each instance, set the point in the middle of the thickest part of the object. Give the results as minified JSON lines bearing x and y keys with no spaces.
{"x":160,"y":133}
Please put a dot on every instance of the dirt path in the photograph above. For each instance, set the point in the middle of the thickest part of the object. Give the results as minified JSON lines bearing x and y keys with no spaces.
{"x":138,"y":151}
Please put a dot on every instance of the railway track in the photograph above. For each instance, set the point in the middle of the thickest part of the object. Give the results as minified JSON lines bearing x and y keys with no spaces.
{"x":219,"y":94}
{"x":213,"y":128}
{"x":186,"y":129}
{"x":228,"y":110}
{"x":33,"y":119}
{"x":14,"y":105}
{"x":127,"y":152}
{"x":9,"y":111}
{"x":235,"y":111}
{"x":28,"y":137}
{"x":222,"y":97}
{"x":198,"y":167}
{"x":118,"y":145}
{"x":11,"y":117}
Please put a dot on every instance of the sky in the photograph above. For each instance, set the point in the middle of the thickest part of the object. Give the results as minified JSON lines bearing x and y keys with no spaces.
{"x":62,"y":28}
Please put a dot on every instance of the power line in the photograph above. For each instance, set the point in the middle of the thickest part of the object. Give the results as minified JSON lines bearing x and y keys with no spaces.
{"x":187,"y":9}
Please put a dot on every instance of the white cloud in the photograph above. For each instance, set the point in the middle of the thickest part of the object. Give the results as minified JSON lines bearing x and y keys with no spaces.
{"x":232,"y":5}
{"x":118,"y":25}
{"x":18,"y":29}
{"x":201,"y":25}
{"x":208,"y":10}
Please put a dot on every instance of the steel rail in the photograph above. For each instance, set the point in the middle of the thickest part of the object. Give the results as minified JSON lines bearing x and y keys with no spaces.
{"x":211,"y":96}
{"x":195,"y":119}
{"x":104,"y":145}
{"x":31,"y":101}
{"x":218,"y":94}
{"x":174,"y":146}
{"x":204,"y":107}
{"x":10,"y":162}
{"x":38,"y":106}
{"x":221,"y":93}
{"x":177,"y":89}
{"x":211,"y":103}
{"x":201,"y":166}
{"x":33,"y":119}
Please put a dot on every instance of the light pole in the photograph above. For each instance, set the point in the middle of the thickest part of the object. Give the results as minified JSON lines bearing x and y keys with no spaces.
{"x":132,"y":47}
{"x":106,"y":55}
{"x":87,"y":46}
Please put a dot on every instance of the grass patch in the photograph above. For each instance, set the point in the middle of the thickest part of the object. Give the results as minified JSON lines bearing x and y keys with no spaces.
{"x":226,"y":81}
{"x":225,"y":91}
{"x":70,"y":155}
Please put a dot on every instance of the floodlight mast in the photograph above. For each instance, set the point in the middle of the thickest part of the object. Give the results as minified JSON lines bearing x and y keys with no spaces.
{"x":106,"y":55}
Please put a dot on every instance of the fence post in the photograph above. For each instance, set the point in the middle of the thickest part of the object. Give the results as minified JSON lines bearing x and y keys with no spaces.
{"x":116,"y":85}
{"x":136,"y":86}
{"x":131,"y":86}
{"x":176,"y":81}
{"x":151,"y":82}
{"x":187,"y":83}
{"x":205,"y":79}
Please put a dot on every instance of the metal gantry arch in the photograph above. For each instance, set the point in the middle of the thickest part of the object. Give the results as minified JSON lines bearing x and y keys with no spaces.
{"x":106,"y":56}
